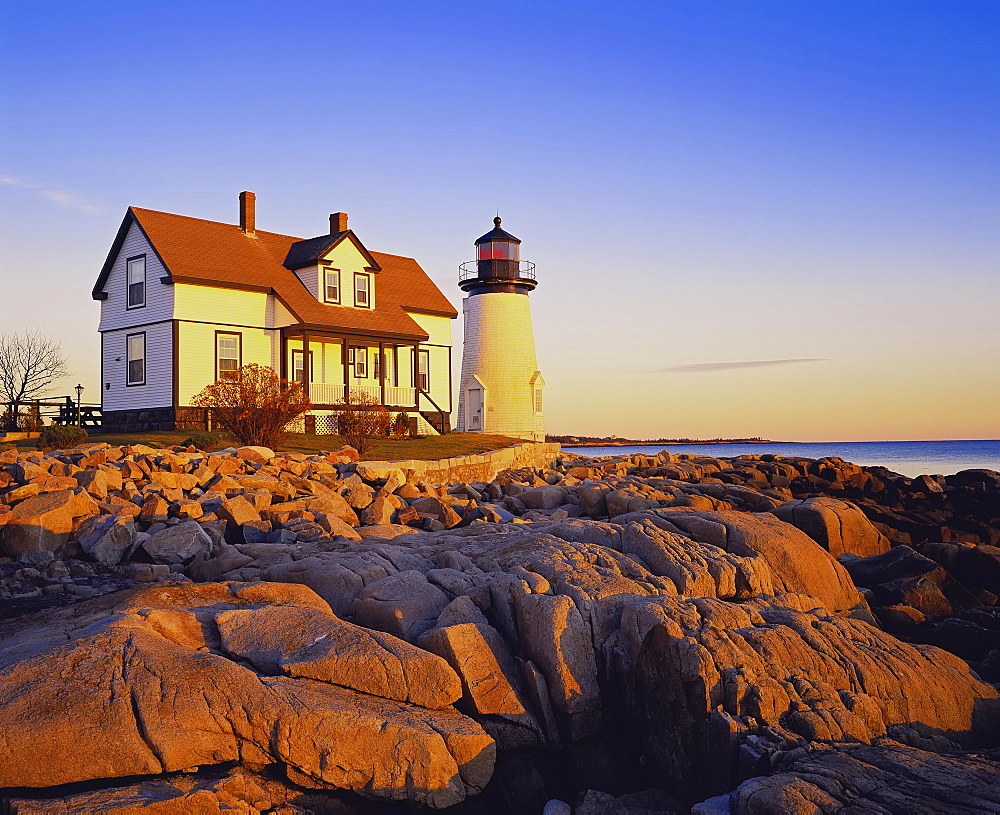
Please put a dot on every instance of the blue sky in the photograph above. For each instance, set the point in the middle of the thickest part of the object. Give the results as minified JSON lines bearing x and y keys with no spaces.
{"x":702,"y":184}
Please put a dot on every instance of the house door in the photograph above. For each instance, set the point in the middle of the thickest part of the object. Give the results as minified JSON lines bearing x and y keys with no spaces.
{"x":475,"y":402}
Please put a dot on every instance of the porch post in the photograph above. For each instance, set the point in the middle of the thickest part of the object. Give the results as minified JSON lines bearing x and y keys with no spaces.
{"x":306,"y":366}
{"x":415,"y":370}
{"x":381,"y":370}
{"x":283,"y":354}
{"x":345,"y":357}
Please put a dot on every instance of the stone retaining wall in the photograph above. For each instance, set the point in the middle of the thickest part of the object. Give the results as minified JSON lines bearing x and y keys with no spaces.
{"x":477,"y":467}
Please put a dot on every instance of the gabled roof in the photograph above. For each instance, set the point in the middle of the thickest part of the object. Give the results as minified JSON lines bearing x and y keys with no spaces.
{"x":309,"y":252}
{"x":210,"y":253}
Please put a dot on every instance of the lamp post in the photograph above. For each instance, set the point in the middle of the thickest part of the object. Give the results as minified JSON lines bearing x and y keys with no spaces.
{"x":79,"y":391}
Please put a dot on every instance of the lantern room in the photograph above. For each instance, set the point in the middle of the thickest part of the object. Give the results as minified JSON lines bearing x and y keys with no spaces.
{"x":498,"y":265}
{"x":498,"y":245}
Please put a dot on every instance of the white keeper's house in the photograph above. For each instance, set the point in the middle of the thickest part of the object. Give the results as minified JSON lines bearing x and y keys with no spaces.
{"x":185,"y":301}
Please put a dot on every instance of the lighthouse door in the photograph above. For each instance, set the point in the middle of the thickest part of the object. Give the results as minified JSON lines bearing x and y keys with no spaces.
{"x":475,"y":402}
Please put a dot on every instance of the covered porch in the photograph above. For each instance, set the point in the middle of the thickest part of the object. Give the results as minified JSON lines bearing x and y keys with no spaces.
{"x":329,"y":364}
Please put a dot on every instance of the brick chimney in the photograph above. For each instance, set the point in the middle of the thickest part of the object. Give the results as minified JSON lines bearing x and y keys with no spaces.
{"x":338,"y":222}
{"x":248,"y":206}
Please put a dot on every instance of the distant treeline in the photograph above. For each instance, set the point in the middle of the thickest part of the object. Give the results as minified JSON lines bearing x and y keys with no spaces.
{"x":615,"y":441}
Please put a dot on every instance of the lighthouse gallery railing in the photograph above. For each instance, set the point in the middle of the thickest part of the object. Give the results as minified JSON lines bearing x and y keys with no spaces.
{"x":513,"y":270}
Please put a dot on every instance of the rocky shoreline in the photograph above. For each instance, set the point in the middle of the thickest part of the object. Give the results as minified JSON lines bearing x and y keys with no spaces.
{"x":244,"y":631}
{"x":582,"y":442}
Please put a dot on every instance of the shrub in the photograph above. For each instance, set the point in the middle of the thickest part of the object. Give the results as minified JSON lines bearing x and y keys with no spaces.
{"x":361,"y":420}
{"x":31,"y":420}
{"x":59,"y":436}
{"x":255,"y":406}
{"x":27,"y":421}
{"x":203,"y":441}
{"x":401,"y":426}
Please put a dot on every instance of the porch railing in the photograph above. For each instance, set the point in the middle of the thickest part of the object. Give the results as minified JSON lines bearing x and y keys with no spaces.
{"x":321,"y":394}
{"x":401,"y":397}
{"x":325,"y":394}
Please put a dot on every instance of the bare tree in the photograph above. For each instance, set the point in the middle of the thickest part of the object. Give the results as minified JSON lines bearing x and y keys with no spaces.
{"x":29,"y":364}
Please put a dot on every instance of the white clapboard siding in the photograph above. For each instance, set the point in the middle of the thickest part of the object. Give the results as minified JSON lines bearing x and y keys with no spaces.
{"x":196,"y":352}
{"x":404,"y":360}
{"x":439,"y":343}
{"x":276,"y":315}
{"x":440,"y":380}
{"x":211,"y":304}
{"x":310,"y":279}
{"x":327,"y":367}
{"x":328,"y":361}
{"x":158,"y":390}
{"x":438,"y":329}
{"x":159,"y":296}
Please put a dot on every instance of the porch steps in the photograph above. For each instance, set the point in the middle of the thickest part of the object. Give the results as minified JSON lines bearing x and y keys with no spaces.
{"x":426,"y":428}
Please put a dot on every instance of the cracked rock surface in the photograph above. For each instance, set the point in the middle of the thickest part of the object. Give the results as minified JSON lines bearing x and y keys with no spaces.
{"x":150,"y":681}
{"x":874,"y":780}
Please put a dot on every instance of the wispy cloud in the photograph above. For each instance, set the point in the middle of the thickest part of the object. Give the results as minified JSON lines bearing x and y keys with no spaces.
{"x":705,"y":367}
{"x":56,"y":196}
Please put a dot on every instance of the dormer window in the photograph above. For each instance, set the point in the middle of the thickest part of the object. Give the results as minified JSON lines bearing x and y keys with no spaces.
{"x":362,"y":290}
{"x":331,"y":285}
{"x":136,"y":282}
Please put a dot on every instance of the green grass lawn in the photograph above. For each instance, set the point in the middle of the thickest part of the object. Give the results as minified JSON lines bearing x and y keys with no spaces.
{"x":426,"y":448}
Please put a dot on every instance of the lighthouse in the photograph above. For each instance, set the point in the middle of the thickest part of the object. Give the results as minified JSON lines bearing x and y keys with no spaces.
{"x":500,"y":390}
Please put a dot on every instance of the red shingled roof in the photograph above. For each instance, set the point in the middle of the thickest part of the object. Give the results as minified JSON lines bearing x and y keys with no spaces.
{"x":217,"y":254}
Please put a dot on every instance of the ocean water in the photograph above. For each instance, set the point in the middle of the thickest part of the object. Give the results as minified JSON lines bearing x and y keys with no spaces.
{"x":910,"y":458}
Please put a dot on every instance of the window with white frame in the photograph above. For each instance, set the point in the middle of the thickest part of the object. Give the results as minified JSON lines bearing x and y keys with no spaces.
{"x":362,"y":291}
{"x":331,"y":285}
{"x":377,"y":365}
{"x":538,"y":400}
{"x":135,"y":356}
{"x":299,"y":367}
{"x":423,"y":370}
{"x":135,"y":271}
{"x":227,"y":355}
{"x":360,"y":362}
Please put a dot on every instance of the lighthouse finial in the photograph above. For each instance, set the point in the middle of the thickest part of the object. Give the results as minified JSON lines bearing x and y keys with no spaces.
{"x":496,"y":221}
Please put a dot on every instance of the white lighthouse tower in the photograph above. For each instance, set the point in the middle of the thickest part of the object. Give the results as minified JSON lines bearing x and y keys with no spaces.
{"x":501,"y":387}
